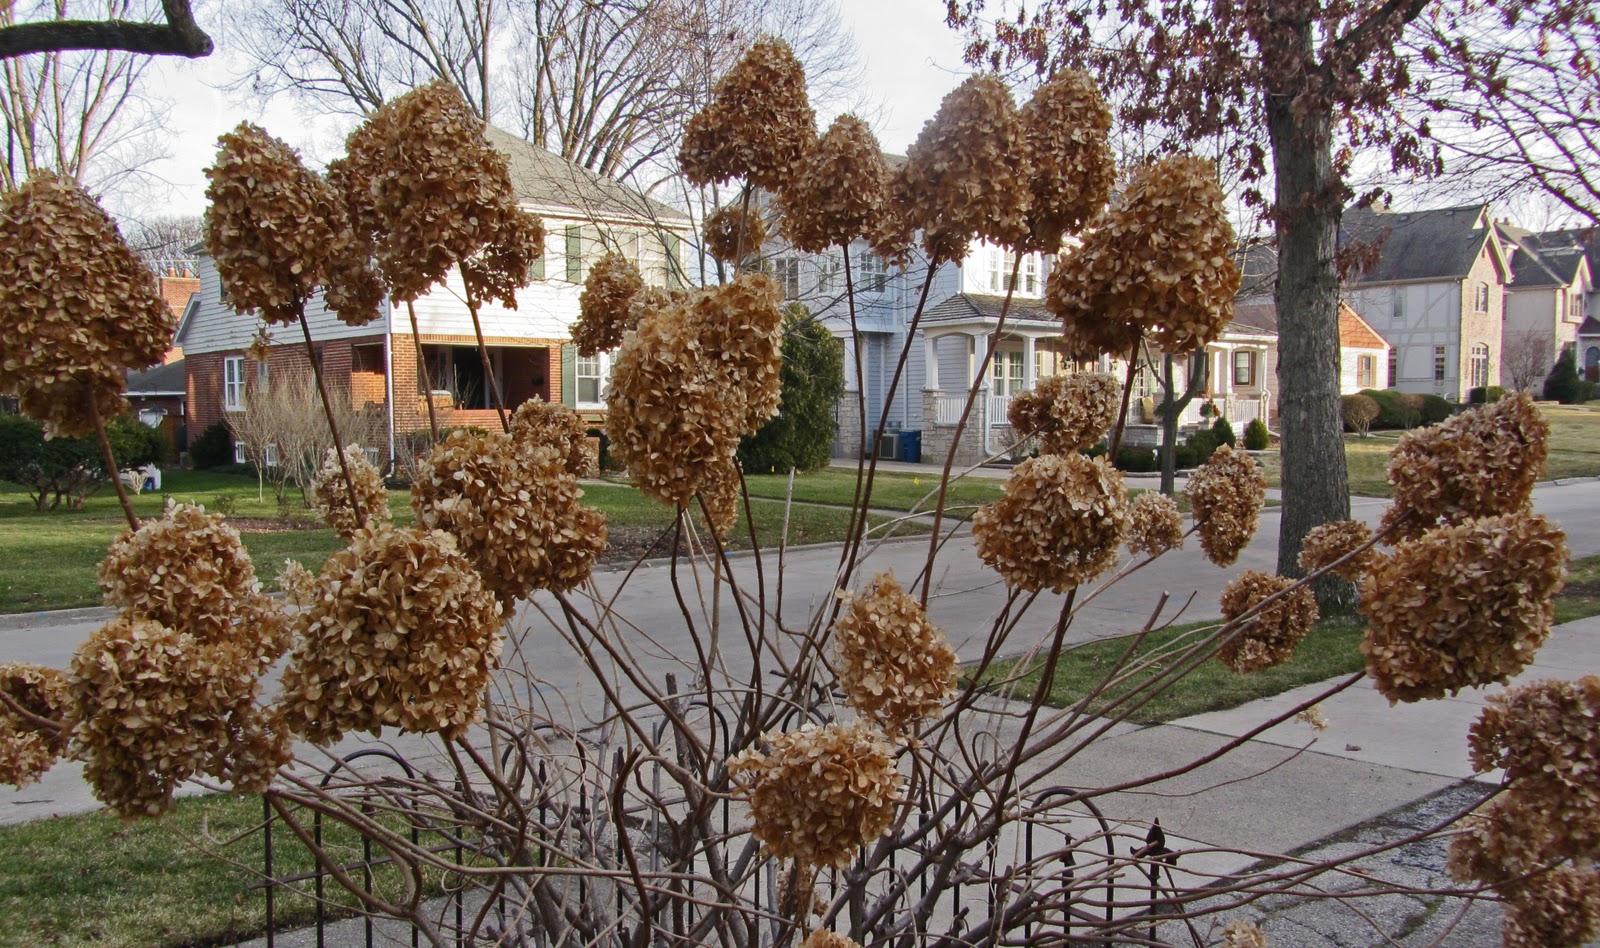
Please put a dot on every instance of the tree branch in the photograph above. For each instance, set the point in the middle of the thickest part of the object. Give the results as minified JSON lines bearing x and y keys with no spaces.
{"x":180,"y":36}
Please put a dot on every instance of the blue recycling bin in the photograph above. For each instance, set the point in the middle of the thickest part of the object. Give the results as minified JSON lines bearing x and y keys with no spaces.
{"x":911,"y":446}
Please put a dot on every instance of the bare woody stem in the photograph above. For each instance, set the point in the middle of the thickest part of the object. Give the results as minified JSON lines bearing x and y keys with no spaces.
{"x":1127,"y":395}
{"x":483,"y":355}
{"x":333,"y":426}
{"x":112,"y":471}
{"x":422,"y":368}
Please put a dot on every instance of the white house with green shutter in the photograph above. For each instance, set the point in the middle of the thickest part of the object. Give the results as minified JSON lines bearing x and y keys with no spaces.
{"x":381,"y":366}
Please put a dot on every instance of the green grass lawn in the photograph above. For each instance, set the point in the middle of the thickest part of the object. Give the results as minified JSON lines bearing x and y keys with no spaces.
{"x":1331,"y":649}
{"x":89,"y":879}
{"x":1574,"y":452}
{"x":890,"y":491}
{"x":48,"y":560}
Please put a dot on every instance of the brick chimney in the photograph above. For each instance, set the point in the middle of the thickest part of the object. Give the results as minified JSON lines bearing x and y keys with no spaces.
{"x":176,"y":288}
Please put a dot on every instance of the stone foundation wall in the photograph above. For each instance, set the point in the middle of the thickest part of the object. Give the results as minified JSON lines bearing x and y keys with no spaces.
{"x":849,"y":437}
{"x":937,"y":438}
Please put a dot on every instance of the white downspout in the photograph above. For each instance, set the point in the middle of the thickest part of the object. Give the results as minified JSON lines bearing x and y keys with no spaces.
{"x":388,"y":380}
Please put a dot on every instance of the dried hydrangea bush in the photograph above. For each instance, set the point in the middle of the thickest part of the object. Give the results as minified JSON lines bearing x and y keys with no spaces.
{"x":817,"y":795}
{"x":1476,"y":464}
{"x":1067,"y":412}
{"x":1066,"y":124}
{"x":1268,"y":638}
{"x":27,"y":750}
{"x":271,"y":225}
{"x":1155,"y":525}
{"x":1461,"y":606}
{"x":189,"y":571}
{"x":151,"y":707}
{"x":1059,"y":524}
{"x":400,"y":632}
{"x":720,"y":498}
{"x":734,"y":233}
{"x":543,"y":424}
{"x":837,"y":193}
{"x":896,"y":668}
{"x":1543,"y":734}
{"x":514,"y":510}
{"x":605,"y":307}
{"x":331,"y":493}
{"x":756,"y":126}
{"x":694,"y":378}
{"x":1328,"y":543}
{"x":79,"y":307}
{"x":1226,"y":495}
{"x":966,"y":175}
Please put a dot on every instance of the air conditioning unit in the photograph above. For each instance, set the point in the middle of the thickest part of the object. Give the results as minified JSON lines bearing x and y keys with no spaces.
{"x":888,"y":445}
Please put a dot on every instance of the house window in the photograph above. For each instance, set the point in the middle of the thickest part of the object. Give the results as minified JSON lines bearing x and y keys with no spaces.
{"x":1144,"y":380}
{"x":827,"y":273}
{"x":1438,"y":363}
{"x":261,"y":375}
{"x":271,"y":458}
{"x":1001,"y":263}
{"x":590,"y":374}
{"x":1480,"y":365}
{"x":239,"y":457}
{"x":1399,"y":305}
{"x":874,"y":273}
{"x":1030,"y":273}
{"x":1394,"y":366}
{"x":1575,"y":307}
{"x":1244,"y":367}
{"x":1045,"y":363}
{"x":1007,"y":373}
{"x":1480,"y":298}
{"x":1366,"y":368}
{"x":786,"y":270}
{"x":233,"y":384}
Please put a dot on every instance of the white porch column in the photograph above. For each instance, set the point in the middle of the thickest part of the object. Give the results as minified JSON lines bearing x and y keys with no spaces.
{"x":1224,"y":372}
{"x":972,"y":357}
{"x":1029,"y":347}
{"x":930,"y":348}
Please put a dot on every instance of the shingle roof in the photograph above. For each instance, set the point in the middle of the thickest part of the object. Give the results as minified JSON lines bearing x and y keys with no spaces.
{"x":967,"y":306}
{"x":1541,"y":260}
{"x":1590,"y":327}
{"x":1256,"y":318}
{"x":162,"y":379}
{"x":545,"y":179}
{"x":1438,"y":244}
{"x":1584,"y":239}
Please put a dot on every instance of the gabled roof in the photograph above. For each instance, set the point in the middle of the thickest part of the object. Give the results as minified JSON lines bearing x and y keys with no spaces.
{"x":1542,"y":260}
{"x":1438,"y":244}
{"x":1357,"y":333}
{"x":1255,"y":318}
{"x":545,"y":179}
{"x":1583,"y":239}
{"x":964,"y":307}
{"x":169,"y":379}
{"x":1257,"y":260}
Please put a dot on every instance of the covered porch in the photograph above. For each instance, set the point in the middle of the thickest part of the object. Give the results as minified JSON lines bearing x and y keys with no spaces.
{"x":1004,"y":364}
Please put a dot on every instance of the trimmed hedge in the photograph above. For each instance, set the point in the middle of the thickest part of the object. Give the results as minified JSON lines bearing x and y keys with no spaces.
{"x":213,"y":448}
{"x":1404,"y":410}
{"x":1223,"y":431}
{"x":1256,"y":436}
{"x":1485,"y":395}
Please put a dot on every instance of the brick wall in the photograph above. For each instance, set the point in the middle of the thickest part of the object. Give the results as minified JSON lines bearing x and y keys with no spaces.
{"x":411,"y":409}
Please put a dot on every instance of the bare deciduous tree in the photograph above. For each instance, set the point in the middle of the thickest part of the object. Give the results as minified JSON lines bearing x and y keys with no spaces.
{"x":81,"y":114}
{"x":1525,"y":359}
{"x":180,"y":35}
{"x":285,"y":432}
{"x":164,"y":242}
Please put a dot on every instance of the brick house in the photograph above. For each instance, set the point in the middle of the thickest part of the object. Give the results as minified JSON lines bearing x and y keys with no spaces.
{"x":530,"y":352}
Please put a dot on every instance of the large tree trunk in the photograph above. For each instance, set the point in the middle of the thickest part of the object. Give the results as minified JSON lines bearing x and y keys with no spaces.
{"x":1315,"y":485}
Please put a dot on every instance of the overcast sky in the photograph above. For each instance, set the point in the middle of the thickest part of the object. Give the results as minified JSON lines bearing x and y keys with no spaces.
{"x":911,"y":60}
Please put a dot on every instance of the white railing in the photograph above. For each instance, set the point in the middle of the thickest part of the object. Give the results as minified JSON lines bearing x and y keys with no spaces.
{"x":998,"y":406}
{"x":947,"y":409}
{"x":1242,"y":411}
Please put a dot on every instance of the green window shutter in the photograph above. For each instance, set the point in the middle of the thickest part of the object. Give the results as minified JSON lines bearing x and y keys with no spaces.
{"x":674,"y":261}
{"x":536,"y":272}
{"x":569,"y":373}
{"x":574,"y":254}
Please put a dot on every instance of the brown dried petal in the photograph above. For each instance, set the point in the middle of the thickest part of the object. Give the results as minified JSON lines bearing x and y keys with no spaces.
{"x":332,"y":498}
{"x":1066,"y":125}
{"x":1058,"y":525}
{"x":1331,"y":542}
{"x":837,"y":195}
{"x":1226,"y":495}
{"x":1268,"y":638}
{"x":895,"y":666}
{"x":757,"y":124}
{"x":1155,"y":525}
{"x":538,"y":423}
{"x":734,"y":233}
{"x":605,"y":308}
{"x":1067,"y":412}
{"x":26,"y":750}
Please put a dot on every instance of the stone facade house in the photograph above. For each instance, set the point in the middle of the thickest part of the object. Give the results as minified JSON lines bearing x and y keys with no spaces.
{"x":1547,"y":299}
{"x":377,"y":365}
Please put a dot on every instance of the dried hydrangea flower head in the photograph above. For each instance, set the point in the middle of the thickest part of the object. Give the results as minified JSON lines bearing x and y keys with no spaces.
{"x":438,"y":193}
{"x":190,"y":572}
{"x":734,"y":233}
{"x":78,"y":306}
{"x":837,"y":194}
{"x":272,"y":225}
{"x":151,"y":707}
{"x":966,"y":175}
{"x":822,"y":938}
{"x":513,"y":509}
{"x":501,"y":268}
{"x":695,"y":377}
{"x":538,"y":423}
{"x":894,"y":235}
{"x":1476,"y":464}
{"x":1226,"y":495}
{"x":1243,"y":934}
{"x":895,"y":666}
{"x":1058,"y":525}
{"x":1155,"y":525}
{"x":817,"y":795}
{"x":1462,"y":605}
{"x":1328,"y":543}
{"x":331,"y":496}
{"x":400,"y":633}
{"x":1066,"y":124}
{"x":1067,"y":412}
{"x":1543,"y":734}
{"x":1159,"y":261}
{"x":354,"y":288}
{"x":719,"y":499}
{"x":26,"y":749}
{"x":1268,"y":638}
{"x":605,"y":307}
{"x":757,"y":124}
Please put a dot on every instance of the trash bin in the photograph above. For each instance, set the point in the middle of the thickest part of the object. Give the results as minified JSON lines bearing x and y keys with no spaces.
{"x":911,"y":446}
